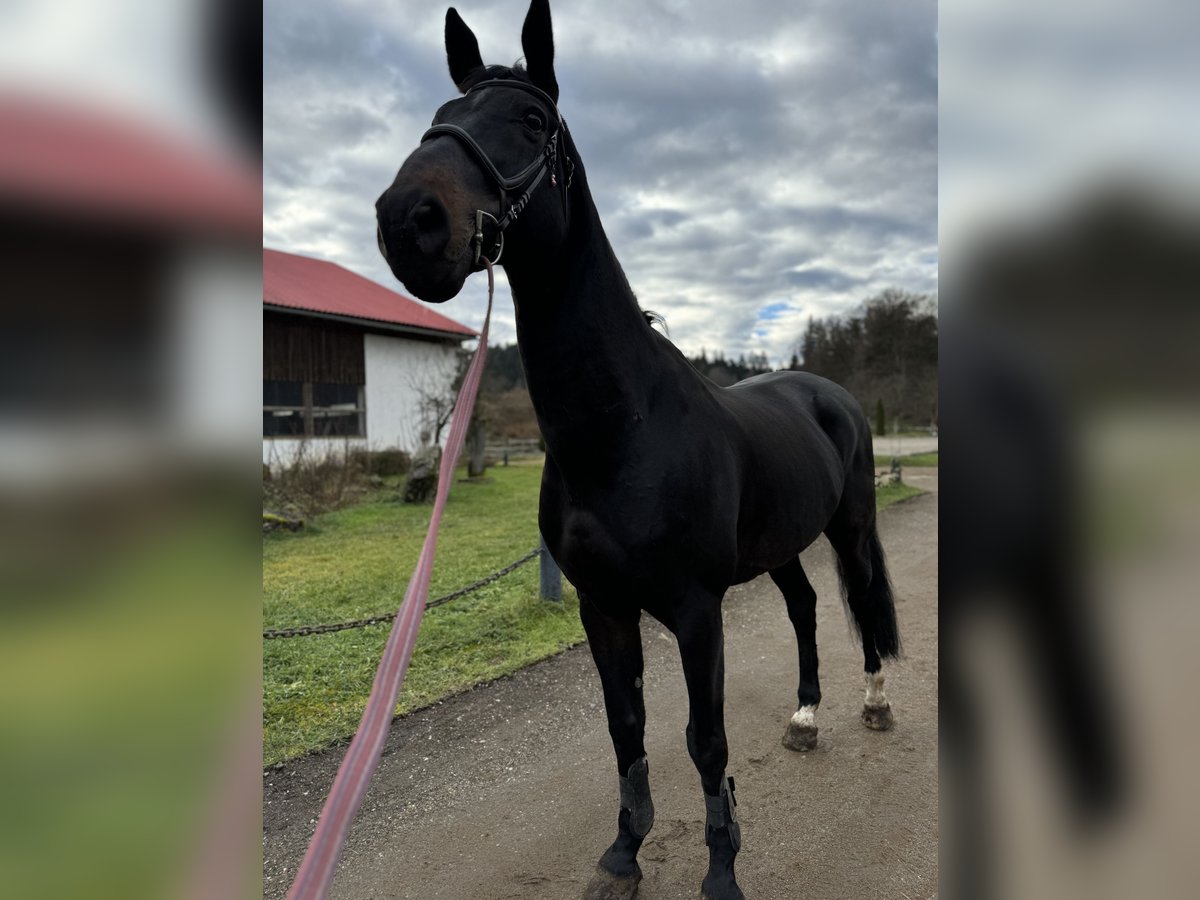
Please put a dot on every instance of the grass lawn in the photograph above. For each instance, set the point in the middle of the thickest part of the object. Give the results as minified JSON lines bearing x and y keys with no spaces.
{"x":915,"y":460}
{"x":117,"y":675}
{"x":893,"y":493}
{"x":355,"y":563}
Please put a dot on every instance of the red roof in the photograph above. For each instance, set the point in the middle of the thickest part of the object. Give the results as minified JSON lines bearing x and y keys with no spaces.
{"x":75,"y":160}
{"x":300,"y":282}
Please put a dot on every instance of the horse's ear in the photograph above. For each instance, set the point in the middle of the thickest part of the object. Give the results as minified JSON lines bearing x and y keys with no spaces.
{"x":462,"y":49}
{"x":537,"y":40}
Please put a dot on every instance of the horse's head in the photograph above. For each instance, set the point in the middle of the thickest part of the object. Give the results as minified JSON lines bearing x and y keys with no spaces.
{"x":490,"y":176}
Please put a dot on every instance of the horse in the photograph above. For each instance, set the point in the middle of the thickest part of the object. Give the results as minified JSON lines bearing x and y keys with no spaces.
{"x":660,"y":490}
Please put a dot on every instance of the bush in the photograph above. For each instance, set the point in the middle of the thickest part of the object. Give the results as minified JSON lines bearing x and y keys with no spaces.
{"x":384,"y":463}
{"x":314,"y":484}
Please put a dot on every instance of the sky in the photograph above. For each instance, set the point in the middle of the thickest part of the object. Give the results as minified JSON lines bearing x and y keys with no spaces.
{"x":1043,"y":104}
{"x":754,"y":163}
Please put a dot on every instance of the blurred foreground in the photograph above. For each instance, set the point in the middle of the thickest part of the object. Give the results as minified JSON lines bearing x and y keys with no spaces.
{"x":130,"y":331}
{"x":130,"y":334}
{"x":1071,"y":309}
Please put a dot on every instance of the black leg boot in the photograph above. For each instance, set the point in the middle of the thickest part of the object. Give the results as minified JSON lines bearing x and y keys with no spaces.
{"x":724,"y":838}
{"x":618,"y":874}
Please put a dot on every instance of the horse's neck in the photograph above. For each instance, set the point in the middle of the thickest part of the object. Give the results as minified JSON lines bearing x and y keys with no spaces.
{"x":588,"y":353}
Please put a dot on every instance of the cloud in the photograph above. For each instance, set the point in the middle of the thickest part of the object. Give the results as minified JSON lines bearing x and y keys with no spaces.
{"x":740,"y":154}
{"x":817,"y":277}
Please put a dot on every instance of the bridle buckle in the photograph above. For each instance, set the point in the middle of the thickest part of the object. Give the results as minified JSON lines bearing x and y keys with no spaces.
{"x":477,"y":238}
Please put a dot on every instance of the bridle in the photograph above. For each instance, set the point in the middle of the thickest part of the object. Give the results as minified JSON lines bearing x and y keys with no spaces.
{"x":529,"y":177}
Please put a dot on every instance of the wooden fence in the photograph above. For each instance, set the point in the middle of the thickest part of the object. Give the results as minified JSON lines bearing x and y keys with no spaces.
{"x":513,"y":448}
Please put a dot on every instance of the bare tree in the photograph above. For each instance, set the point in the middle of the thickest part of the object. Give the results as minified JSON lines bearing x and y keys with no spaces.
{"x":476,"y":444}
{"x":436,"y":389}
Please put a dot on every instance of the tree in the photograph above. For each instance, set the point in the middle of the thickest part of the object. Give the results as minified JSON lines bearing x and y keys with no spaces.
{"x":436,"y":389}
{"x":884,"y":350}
{"x":476,"y":445}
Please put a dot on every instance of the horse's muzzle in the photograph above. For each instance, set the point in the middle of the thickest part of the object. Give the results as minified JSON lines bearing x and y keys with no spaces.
{"x":413,"y":232}
{"x":414,"y":225}
{"x":379,"y":239}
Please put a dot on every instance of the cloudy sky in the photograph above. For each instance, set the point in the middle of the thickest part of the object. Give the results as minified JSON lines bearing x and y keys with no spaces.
{"x":754,"y":162}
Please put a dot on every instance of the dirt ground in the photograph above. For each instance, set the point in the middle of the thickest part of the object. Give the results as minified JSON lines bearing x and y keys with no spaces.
{"x":510,"y":790}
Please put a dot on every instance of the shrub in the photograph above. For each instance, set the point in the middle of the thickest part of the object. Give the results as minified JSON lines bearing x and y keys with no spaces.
{"x":314,"y":484}
{"x":392,"y":461}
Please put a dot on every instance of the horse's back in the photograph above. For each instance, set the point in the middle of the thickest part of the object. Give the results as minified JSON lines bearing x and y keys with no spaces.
{"x":806,"y":404}
{"x":801,"y":438}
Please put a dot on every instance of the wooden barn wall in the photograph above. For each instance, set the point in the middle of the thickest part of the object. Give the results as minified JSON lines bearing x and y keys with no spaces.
{"x":296,"y":349}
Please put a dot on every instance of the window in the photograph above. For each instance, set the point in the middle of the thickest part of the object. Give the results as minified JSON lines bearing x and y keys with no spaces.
{"x":305,"y":409}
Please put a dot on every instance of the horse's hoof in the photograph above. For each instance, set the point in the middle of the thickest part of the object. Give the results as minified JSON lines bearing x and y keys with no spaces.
{"x":723,"y":889}
{"x":607,"y":886}
{"x":801,"y":731}
{"x":800,"y":737}
{"x":878,"y":718}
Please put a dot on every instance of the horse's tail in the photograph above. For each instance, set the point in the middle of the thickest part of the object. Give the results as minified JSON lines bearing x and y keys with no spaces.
{"x":871,"y":608}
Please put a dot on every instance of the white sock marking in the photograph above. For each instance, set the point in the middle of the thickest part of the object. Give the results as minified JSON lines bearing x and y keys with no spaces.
{"x":875,"y":695}
{"x":805,"y":717}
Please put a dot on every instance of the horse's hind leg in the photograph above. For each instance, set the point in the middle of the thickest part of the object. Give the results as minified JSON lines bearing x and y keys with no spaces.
{"x":616,"y":645}
{"x":869,"y":596}
{"x":801,"y":733}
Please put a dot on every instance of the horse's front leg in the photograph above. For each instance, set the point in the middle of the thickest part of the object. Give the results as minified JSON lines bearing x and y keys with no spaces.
{"x":616,"y":644}
{"x":702,"y":651}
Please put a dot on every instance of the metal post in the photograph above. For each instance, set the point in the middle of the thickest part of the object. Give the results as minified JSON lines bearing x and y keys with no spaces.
{"x":551,"y":575}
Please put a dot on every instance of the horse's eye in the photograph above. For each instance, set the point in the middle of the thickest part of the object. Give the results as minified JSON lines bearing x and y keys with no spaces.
{"x":534,"y":121}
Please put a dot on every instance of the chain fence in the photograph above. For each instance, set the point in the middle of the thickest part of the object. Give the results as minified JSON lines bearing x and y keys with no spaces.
{"x":302,"y":630}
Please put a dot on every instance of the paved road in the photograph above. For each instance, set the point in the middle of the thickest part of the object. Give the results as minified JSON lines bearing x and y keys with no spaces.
{"x":509,"y":791}
{"x":904,"y":446}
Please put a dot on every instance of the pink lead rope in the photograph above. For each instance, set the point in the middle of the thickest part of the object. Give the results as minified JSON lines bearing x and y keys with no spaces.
{"x":350,"y":786}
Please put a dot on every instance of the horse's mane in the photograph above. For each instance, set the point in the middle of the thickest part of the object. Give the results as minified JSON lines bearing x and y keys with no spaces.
{"x":652,"y":318}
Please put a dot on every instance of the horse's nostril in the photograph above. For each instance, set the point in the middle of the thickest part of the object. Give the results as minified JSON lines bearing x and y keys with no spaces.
{"x":379,"y":239}
{"x":427,"y":216}
{"x":430,"y":225}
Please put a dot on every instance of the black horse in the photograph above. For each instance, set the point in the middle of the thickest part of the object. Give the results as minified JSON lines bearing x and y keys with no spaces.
{"x":660,"y":489}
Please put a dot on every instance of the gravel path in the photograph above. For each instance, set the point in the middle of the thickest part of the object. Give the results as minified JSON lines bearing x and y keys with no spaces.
{"x":510,"y":790}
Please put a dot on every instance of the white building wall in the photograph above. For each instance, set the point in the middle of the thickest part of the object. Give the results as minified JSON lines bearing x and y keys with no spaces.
{"x":214,"y":346}
{"x":398,"y":371}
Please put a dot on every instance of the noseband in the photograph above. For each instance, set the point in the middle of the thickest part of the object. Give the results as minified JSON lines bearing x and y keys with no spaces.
{"x":529,"y":177}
